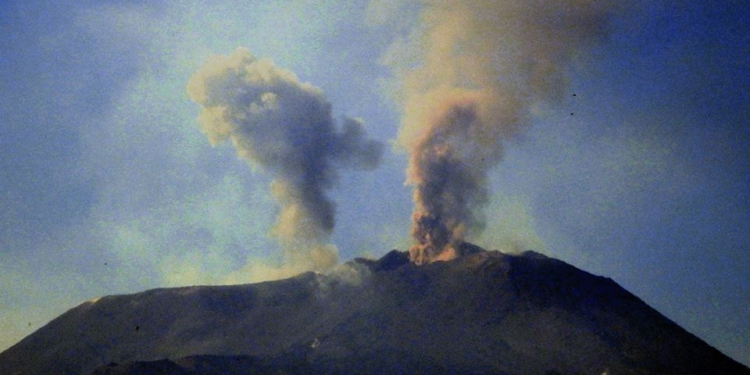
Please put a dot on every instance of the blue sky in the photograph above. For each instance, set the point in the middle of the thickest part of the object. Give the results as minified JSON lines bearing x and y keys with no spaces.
{"x":639,"y":172}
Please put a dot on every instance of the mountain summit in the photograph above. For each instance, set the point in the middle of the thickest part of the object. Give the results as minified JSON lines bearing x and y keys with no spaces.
{"x":484,"y":313}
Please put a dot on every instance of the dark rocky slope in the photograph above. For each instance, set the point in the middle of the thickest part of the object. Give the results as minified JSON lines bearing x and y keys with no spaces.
{"x":484,"y":313}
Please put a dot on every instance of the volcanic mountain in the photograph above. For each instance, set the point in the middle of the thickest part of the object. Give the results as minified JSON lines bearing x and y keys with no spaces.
{"x":484,"y":313}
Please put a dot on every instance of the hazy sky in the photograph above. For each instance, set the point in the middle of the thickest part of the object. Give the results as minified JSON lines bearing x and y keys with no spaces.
{"x":639,"y":172}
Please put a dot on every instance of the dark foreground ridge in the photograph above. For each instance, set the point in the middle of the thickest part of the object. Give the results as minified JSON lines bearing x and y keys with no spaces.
{"x":483,"y":313}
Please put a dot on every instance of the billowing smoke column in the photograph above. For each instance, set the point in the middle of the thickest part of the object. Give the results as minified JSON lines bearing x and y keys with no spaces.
{"x":484,"y":65}
{"x":285,"y":127}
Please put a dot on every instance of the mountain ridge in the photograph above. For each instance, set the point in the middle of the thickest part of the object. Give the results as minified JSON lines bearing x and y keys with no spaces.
{"x":486,"y":312}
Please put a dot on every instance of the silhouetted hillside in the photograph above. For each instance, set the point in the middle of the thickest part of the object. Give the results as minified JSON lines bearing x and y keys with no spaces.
{"x":484,"y":313}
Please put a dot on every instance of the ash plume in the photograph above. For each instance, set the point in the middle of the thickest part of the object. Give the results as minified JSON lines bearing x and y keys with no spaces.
{"x":482,"y":68}
{"x":285,"y":127}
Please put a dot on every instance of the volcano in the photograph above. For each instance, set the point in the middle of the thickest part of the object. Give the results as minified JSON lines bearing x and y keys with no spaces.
{"x":484,"y":313}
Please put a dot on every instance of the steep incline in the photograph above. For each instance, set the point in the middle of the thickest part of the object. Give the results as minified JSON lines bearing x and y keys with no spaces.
{"x":484,"y":313}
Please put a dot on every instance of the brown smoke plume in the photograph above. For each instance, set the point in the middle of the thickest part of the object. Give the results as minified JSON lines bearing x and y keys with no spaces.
{"x":484,"y":65}
{"x":285,"y":127}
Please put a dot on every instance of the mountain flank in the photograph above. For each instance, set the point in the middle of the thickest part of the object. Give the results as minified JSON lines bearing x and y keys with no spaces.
{"x":484,"y":313}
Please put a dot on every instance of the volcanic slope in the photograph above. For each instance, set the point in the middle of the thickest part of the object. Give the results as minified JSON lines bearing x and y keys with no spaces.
{"x":483,"y":313}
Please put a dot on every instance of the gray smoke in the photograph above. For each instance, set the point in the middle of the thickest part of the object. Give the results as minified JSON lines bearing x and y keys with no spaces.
{"x":285,"y":127}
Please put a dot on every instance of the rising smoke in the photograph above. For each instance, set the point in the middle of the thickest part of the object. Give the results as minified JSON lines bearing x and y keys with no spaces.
{"x":483,"y":66}
{"x":285,"y":127}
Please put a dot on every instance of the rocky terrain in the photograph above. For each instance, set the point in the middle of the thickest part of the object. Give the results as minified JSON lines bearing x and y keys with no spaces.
{"x":484,"y":313}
